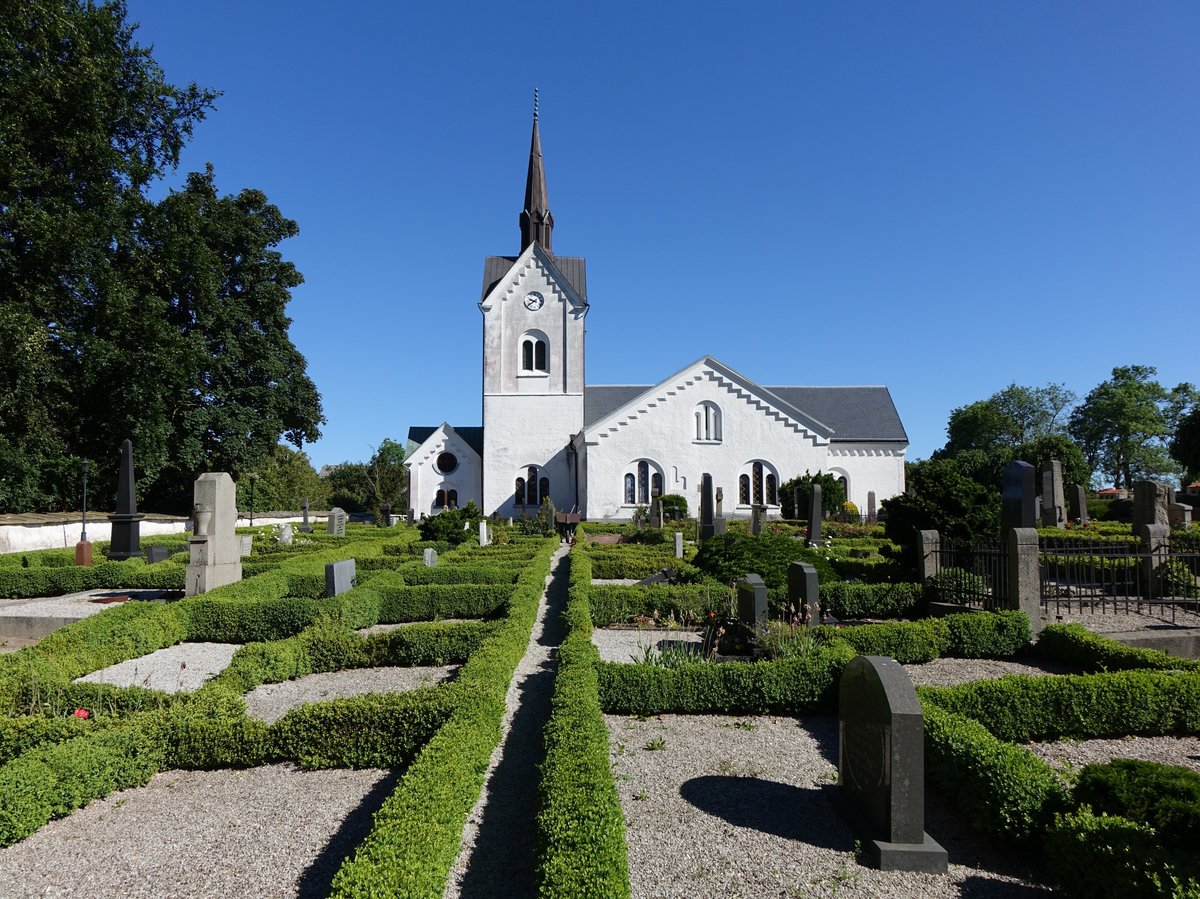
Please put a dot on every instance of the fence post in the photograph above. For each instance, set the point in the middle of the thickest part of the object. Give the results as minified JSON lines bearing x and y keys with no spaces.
{"x":1155,"y":554}
{"x":930,"y":549}
{"x":1024,"y":576}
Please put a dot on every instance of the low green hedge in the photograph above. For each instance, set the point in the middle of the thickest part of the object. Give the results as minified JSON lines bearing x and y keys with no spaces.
{"x":24,"y":583}
{"x":615,"y":603}
{"x":1076,"y":645}
{"x":887,"y":600}
{"x":430,"y":601}
{"x":973,"y":635}
{"x":459,"y":574}
{"x":630,"y":560}
{"x":581,"y":826}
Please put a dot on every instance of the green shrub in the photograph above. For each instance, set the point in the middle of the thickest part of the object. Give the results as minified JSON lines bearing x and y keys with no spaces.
{"x":990,"y":635}
{"x":957,"y":585}
{"x":908,"y":642}
{"x":728,"y":557}
{"x":890,"y":600}
{"x":1076,"y":645}
{"x":453,"y":526}
{"x":684,"y":603}
{"x":434,"y":643}
{"x":398,"y":604}
{"x":1167,"y":797}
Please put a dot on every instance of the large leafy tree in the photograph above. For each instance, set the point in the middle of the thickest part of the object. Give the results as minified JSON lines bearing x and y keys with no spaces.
{"x":120,"y":317}
{"x":1014,"y":416}
{"x":1185,"y":445}
{"x":281,"y":482}
{"x":365,"y":486}
{"x":1123,"y":424}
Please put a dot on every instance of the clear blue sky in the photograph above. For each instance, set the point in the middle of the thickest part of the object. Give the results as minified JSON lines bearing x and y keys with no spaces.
{"x":943,"y":197}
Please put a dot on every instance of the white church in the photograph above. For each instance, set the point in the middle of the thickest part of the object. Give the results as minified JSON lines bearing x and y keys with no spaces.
{"x":601,"y":450}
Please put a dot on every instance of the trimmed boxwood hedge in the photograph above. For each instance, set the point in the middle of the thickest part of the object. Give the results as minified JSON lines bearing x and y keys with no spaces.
{"x":1076,"y":645}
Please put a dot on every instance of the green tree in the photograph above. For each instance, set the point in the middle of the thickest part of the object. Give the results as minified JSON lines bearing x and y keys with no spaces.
{"x":833,"y":494}
{"x":1185,"y":445}
{"x":282,"y":481}
{"x":1123,"y":424}
{"x":1014,"y":416}
{"x":365,"y":486}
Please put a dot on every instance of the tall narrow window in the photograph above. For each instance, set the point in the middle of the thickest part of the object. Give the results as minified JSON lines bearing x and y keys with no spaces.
{"x":519,"y":492}
{"x":656,"y":484}
{"x":757,"y":476}
{"x":544,"y":489}
{"x":772,"y":490}
{"x":531,"y":485}
{"x":526,"y":355}
{"x":452,"y":499}
{"x":439,"y":499}
{"x":708,"y":422}
{"x":744,"y":490}
{"x":630,"y":489}
{"x":539,"y":356}
{"x":643,"y":482}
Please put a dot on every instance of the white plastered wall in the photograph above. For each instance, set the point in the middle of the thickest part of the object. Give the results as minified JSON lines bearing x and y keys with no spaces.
{"x":424,"y":479}
{"x":868,"y":466}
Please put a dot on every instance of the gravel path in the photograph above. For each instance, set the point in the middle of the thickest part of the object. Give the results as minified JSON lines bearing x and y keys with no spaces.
{"x":1115,"y":623}
{"x":499,"y":853}
{"x":1071,"y":755}
{"x":273,"y":831}
{"x":947,"y":672}
{"x":185,"y":666}
{"x":617,"y":644}
{"x":270,"y":702}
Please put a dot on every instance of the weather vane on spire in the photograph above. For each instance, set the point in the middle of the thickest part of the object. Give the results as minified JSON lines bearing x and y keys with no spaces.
{"x":535,"y":104}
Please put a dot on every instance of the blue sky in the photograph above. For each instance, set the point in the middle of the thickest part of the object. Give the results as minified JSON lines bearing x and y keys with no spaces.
{"x":942,"y":197}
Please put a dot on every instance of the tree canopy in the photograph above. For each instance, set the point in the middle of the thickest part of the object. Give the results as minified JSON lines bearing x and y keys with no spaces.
{"x":119,"y":316}
{"x":366,"y":486}
{"x":1123,"y":424}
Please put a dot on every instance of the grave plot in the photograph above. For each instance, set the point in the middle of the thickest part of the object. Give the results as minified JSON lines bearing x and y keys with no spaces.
{"x":270,"y":702}
{"x":175,"y":669}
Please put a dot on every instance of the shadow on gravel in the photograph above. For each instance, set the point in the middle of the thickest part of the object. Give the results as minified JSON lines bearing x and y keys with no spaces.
{"x":781,"y":810}
{"x":317,"y":878}
{"x":824,"y":731}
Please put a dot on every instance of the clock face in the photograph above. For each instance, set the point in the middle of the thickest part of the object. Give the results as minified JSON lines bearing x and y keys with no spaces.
{"x":534,"y":301}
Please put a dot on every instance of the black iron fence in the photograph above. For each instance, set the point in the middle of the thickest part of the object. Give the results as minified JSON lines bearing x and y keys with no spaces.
{"x":971,"y":574}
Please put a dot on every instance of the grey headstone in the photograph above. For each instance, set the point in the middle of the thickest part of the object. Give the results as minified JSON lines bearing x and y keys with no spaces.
{"x":804,"y":592}
{"x":706,"y":506}
{"x":656,"y":512}
{"x":678,"y":545}
{"x":719,"y":503}
{"x":339,"y":577}
{"x":305,"y":528}
{"x":1179,"y":515}
{"x":752,"y":601}
{"x":156,"y":554}
{"x":336,"y":523}
{"x":429,"y":556}
{"x":718,"y":526}
{"x":1150,"y":502}
{"x":285,"y":534}
{"x":1054,"y":505}
{"x":483,"y":534}
{"x":881,"y":765}
{"x":871,"y":510}
{"x":756,"y":519}
{"x":214,"y":547}
{"x":246,"y":544}
{"x":814,"y":515}
{"x":125,"y":541}
{"x":410,"y":518}
{"x":1017,"y":494}
{"x":1077,"y":503}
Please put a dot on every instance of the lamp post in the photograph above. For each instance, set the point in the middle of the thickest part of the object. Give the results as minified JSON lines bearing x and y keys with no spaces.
{"x":83,"y":529}
{"x":253,"y":477}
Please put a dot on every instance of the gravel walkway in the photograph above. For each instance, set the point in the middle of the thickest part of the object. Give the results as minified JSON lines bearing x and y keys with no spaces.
{"x":1115,"y":623}
{"x":270,"y":702}
{"x":499,"y":851}
{"x":185,"y":666}
{"x":273,"y":831}
{"x":947,"y":672}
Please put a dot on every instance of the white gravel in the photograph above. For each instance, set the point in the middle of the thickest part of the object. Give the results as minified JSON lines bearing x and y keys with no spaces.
{"x":175,"y":669}
{"x":617,"y":644}
{"x":1113,"y":622}
{"x":273,"y":831}
{"x":270,"y":702}
{"x":1071,"y":755}
{"x":947,"y":672}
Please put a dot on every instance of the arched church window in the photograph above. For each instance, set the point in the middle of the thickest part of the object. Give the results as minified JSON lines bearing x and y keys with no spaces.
{"x":756,"y":475}
{"x":708,"y":422}
{"x":845,"y":486}
{"x":544,"y":489}
{"x":772,"y":490}
{"x":539,"y":355}
{"x":439,"y":499}
{"x":630,"y":489}
{"x":519,"y":492}
{"x":526,"y":355}
{"x":656,"y":484}
{"x":534,"y":354}
{"x":452,"y":499}
{"x":531,"y":485}
{"x":643,"y":482}
{"x":744,"y":490}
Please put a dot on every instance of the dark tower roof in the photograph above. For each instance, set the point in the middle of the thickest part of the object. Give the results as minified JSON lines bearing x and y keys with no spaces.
{"x":537,"y":222}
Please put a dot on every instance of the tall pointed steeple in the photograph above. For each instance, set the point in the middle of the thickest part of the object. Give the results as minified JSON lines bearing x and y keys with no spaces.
{"x":537,"y":222}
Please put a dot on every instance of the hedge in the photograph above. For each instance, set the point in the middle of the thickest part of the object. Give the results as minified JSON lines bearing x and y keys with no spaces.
{"x":613,"y":603}
{"x":971,"y":635}
{"x":459,"y":574}
{"x":398,"y":604}
{"x":581,"y":826}
{"x":24,"y":583}
{"x":1076,"y":645}
{"x":855,"y":600}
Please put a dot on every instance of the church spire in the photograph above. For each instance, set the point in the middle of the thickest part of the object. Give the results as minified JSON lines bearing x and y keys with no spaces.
{"x":537,"y":222}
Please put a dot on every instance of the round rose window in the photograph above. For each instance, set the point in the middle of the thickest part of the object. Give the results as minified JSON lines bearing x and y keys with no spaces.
{"x":447,"y":462}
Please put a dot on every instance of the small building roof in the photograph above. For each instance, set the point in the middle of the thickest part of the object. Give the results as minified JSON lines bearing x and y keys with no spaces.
{"x":472,"y":436}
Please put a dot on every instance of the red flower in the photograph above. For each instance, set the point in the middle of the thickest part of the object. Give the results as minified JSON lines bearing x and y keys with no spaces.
{"x":81,"y":713}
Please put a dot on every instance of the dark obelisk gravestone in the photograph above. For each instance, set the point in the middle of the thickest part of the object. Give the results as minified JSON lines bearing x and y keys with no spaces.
{"x":881,"y":765}
{"x":1019,"y":496}
{"x":126,"y":521}
{"x":706,"y":507}
{"x":814,"y":515}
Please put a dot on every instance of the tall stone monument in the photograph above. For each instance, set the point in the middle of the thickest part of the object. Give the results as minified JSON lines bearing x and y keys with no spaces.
{"x":1077,"y":503}
{"x":1054,"y":506}
{"x":216,"y":551}
{"x":815,"y":511}
{"x":706,"y":507}
{"x":126,"y":521}
{"x":881,"y":765}
{"x":1019,"y":508}
{"x":1150,"y":505}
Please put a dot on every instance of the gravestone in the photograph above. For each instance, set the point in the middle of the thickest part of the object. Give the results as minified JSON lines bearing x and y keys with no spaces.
{"x":285,"y":534}
{"x":752,"y":601}
{"x":1077,"y":503}
{"x":156,"y":554}
{"x":305,"y":528}
{"x":656,"y":512}
{"x":678,"y":545}
{"x":871,"y":509}
{"x":411,"y":515}
{"x":125,"y":542}
{"x":83,"y":553}
{"x":706,"y":507}
{"x":339,"y":577}
{"x":1179,"y":515}
{"x":1054,"y":506}
{"x":814,"y":515}
{"x":336,"y":523}
{"x":1150,"y":505}
{"x":246,"y":544}
{"x":483,"y":534}
{"x":756,"y":519}
{"x":720,"y":502}
{"x":804,"y":593}
{"x":214,"y":546}
{"x":881,"y":765}
{"x":429,"y":557}
{"x":798,"y":502}
{"x":719,"y":526}
{"x":385,"y":515}
{"x":1017,"y":495}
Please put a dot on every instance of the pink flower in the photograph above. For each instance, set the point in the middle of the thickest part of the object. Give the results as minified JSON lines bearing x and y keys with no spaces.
{"x":81,"y":713}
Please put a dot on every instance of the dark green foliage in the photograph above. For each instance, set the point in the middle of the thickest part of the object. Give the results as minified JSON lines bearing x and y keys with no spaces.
{"x":988,"y":635}
{"x":1167,"y":797}
{"x":225,"y":620}
{"x":1076,"y":645}
{"x":957,"y":585}
{"x":1103,"y":857}
{"x":1003,"y":789}
{"x":631,"y":560}
{"x":728,"y":557}
{"x":853,"y":600}
{"x":907,"y":642}
{"x":435,"y":643}
{"x":685,"y":603}
{"x":833,"y":494}
{"x":453,"y":526}
{"x":432,"y":601}
{"x":674,"y":503}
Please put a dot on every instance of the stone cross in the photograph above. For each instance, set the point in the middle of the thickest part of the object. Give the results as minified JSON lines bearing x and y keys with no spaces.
{"x":706,"y":507}
{"x":814,"y":515}
{"x":804,"y":593}
{"x":1077,"y":503}
{"x":752,"y":601}
{"x":214,"y":548}
{"x":125,"y":542}
{"x":1054,"y":507}
{"x":339,"y":577}
{"x":881,"y":765}
{"x":1019,"y":509}
{"x":305,"y":528}
{"x":1150,"y":502}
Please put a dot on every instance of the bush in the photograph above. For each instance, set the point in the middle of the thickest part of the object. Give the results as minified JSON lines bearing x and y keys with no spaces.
{"x":958,"y":586}
{"x":685,"y":604}
{"x":729,"y":556}
{"x":908,"y":642}
{"x":1076,"y":645}
{"x":1167,"y":797}
{"x":851,"y":600}
{"x":453,"y":526}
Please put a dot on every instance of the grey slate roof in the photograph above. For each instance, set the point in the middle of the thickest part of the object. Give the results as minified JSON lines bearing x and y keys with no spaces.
{"x":854,"y":413}
{"x":473,"y":436}
{"x":573,"y":268}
